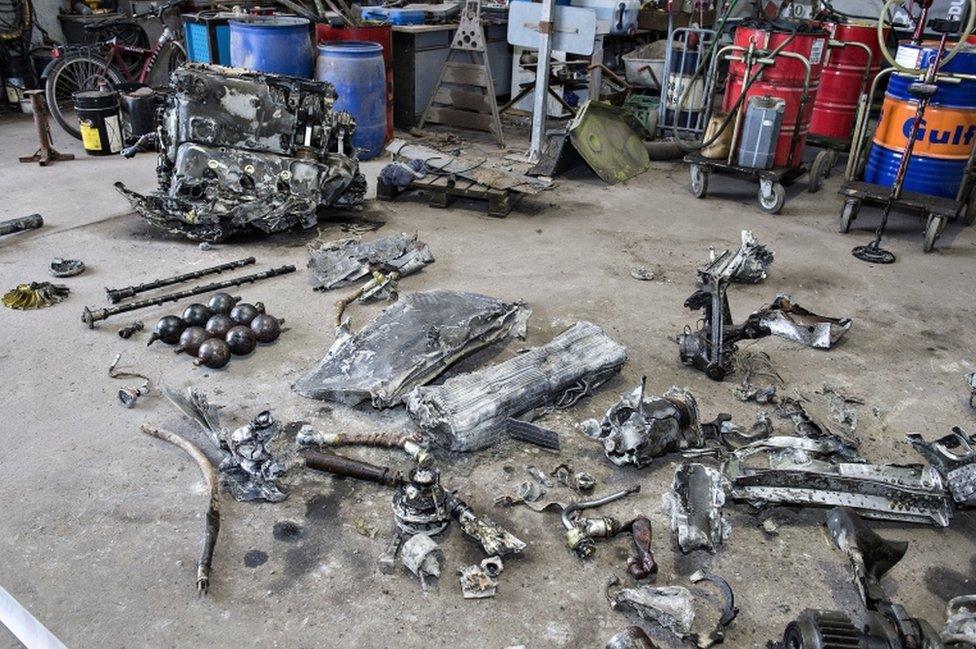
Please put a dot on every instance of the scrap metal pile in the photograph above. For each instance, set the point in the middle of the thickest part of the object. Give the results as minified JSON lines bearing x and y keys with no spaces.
{"x":243,"y":151}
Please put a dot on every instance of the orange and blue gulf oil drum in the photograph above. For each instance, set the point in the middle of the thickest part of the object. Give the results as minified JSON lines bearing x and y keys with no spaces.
{"x":946,"y":133}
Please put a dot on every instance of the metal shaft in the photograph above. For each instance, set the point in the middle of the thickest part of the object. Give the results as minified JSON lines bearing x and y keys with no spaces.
{"x":116,"y":295}
{"x":349,"y":468}
{"x":90,"y":317}
{"x":31,"y":222}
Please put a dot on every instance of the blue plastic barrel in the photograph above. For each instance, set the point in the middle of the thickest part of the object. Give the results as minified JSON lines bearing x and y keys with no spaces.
{"x":946,"y":135}
{"x":356,"y":70}
{"x":275,"y":44}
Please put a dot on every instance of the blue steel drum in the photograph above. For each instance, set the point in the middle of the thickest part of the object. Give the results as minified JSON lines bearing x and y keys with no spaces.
{"x":275,"y":44}
{"x":357,"y":71}
{"x":946,"y":135}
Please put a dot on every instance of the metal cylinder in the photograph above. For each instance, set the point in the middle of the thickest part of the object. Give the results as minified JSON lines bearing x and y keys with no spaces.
{"x":947,"y":131}
{"x":783,"y":77}
{"x":31,"y":222}
{"x":855,"y":46}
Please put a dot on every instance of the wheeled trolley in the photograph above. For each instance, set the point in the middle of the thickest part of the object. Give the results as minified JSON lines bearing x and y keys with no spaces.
{"x":772,"y":182}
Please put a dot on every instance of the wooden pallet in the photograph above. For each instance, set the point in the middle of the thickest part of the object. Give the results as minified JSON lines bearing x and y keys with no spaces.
{"x":443,"y":191}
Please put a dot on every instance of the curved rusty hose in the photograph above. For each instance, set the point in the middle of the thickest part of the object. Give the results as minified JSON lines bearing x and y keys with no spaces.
{"x":212,"y":527}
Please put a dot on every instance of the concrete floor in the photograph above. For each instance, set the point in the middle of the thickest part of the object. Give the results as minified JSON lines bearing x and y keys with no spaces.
{"x":100,"y":525}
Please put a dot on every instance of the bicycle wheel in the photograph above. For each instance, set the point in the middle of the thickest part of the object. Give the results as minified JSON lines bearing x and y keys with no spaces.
{"x":76,"y":72}
{"x":170,"y":57}
{"x":124,"y":33}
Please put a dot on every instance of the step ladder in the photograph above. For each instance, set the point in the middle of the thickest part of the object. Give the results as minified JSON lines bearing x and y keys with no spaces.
{"x":464,"y":96}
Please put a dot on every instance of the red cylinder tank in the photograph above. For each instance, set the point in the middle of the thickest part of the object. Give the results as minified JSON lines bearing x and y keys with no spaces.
{"x":381,"y":34}
{"x":784,"y":79}
{"x":843,"y":72}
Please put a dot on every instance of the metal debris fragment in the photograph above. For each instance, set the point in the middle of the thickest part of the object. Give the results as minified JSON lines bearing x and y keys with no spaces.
{"x":642,"y":273}
{"x":344,"y":262}
{"x":539,"y":476}
{"x":637,"y":429}
{"x":250,"y":469}
{"x":671,"y":607}
{"x":800,"y":471}
{"x":960,"y":626}
{"x":128,"y":331}
{"x":579,"y":481}
{"x":248,"y":151}
{"x":971,"y":380}
{"x":129,"y":395}
{"x":409,"y":344}
{"x":479,"y":581}
{"x":750,"y":263}
{"x":526,"y":431}
{"x":409,"y":442}
{"x":954,"y":457}
{"x":35,"y":295}
{"x":729,"y":610}
{"x":422,"y":557}
{"x":67,"y":267}
{"x":641,"y":564}
{"x":581,"y":531}
{"x":694,"y":507}
{"x":758,"y":379}
{"x":468,"y":412}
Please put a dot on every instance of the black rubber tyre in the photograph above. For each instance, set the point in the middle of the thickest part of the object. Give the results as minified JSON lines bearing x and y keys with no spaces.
{"x":773,"y":202}
{"x":933,"y":230}
{"x":847,"y":215}
{"x":76,"y":71}
{"x":699,"y":181}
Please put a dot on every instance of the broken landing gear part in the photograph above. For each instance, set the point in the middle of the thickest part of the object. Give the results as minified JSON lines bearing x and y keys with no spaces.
{"x":212,"y":517}
{"x":116,"y":295}
{"x":694,"y":507}
{"x":751,"y":261}
{"x":67,"y":267}
{"x":637,"y":429}
{"x":409,"y":344}
{"x":581,"y":531}
{"x":128,"y":395}
{"x":21,"y":224}
{"x":886,"y":625}
{"x":90,"y":317}
{"x":243,"y":151}
{"x":35,"y":295}
{"x":712,"y":347}
{"x":953,"y":456}
{"x":468,"y":412}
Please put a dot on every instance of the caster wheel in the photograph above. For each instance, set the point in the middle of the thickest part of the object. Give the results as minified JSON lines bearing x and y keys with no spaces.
{"x":831,"y":163}
{"x":933,"y":230}
{"x":699,"y":181}
{"x":847,"y":215}
{"x":819,"y":170}
{"x":771,"y":200}
{"x":968,"y":216}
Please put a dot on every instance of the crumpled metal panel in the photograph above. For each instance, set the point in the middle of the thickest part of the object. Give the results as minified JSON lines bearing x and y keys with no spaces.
{"x":242,"y":150}
{"x":638,"y":428}
{"x":960,"y":626}
{"x":750,"y":263}
{"x":409,"y":344}
{"x":672,"y":607}
{"x":347,"y":261}
{"x":954,"y":456}
{"x":469,"y":412}
{"x":787,"y":319}
{"x":694,"y":506}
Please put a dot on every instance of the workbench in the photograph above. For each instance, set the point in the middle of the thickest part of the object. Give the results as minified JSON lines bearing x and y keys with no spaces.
{"x":419,"y":53}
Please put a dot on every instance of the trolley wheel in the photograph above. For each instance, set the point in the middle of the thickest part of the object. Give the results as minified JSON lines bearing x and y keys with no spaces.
{"x":968,"y":216}
{"x":699,"y":181}
{"x":831,"y":163}
{"x":933,"y":230}
{"x":771,"y":197}
{"x":847,"y":215}
{"x":819,"y":170}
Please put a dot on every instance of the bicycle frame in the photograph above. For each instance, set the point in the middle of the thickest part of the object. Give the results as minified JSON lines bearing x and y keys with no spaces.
{"x":116,"y":50}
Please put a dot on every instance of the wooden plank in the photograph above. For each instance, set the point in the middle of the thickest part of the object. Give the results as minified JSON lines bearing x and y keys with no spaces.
{"x":468,"y":74}
{"x":463,"y":99}
{"x":460,"y":118}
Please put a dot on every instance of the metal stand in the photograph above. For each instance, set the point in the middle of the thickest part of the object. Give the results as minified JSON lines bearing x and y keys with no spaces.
{"x":46,"y":153}
{"x":464,"y":96}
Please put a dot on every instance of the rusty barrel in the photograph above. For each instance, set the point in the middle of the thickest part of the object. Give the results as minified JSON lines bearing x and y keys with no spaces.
{"x":843,"y":74}
{"x":784,"y":78}
{"x":946,"y":133}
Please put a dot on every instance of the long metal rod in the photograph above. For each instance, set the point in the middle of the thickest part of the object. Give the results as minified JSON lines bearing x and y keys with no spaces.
{"x":540,"y":106}
{"x":116,"y":295}
{"x":90,"y":317}
{"x":31,"y":222}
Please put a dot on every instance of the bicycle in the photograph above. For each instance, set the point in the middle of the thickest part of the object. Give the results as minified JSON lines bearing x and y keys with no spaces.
{"x":120,"y":59}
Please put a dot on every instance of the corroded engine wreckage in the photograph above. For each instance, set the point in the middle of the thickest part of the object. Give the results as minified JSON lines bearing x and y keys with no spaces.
{"x":245,"y":151}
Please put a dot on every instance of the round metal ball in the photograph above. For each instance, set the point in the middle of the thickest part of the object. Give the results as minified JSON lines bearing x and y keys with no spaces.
{"x":218,"y":325}
{"x":214,"y":353}
{"x":196,"y":315}
{"x":191,"y":339}
{"x":266,"y":327}
{"x":241,"y":340}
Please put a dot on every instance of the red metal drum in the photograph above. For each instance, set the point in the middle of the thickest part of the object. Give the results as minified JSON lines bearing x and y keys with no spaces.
{"x":843,"y":72}
{"x":382,"y":34}
{"x":783,"y":79}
